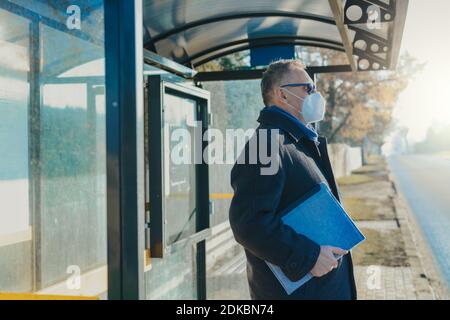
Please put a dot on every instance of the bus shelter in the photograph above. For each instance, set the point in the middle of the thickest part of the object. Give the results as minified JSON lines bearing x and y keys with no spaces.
{"x":92,"y":91}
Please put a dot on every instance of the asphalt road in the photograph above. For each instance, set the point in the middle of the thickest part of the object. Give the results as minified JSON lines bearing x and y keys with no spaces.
{"x":424,"y":180}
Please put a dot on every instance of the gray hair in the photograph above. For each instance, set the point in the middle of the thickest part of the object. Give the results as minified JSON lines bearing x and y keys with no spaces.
{"x":275,"y":73}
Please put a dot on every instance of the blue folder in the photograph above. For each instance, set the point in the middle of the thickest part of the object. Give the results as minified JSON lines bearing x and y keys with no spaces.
{"x":321,"y":218}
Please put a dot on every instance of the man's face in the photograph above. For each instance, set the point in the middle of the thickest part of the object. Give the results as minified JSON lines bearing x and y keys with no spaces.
{"x":296,"y":76}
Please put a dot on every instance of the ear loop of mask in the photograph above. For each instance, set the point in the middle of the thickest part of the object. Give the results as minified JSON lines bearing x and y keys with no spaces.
{"x":290,"y":106}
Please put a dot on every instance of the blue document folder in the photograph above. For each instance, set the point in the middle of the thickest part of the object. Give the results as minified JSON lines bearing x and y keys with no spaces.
{"x":321,"y":218}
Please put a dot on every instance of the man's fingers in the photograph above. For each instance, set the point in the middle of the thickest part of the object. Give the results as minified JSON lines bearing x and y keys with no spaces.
{"x":329,"y":265}
{"x":330,"y":259}
{"x":327,"y":260}
{"x":338,"y":251}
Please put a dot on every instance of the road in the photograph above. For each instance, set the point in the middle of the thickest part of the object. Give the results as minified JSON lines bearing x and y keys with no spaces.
{"x":424,"y":181}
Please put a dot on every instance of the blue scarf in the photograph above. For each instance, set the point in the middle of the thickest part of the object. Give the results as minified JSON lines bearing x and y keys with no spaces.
{"x":307,"y":130}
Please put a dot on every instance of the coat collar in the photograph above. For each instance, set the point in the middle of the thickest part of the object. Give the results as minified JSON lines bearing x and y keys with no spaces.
{"x":284,"y":123}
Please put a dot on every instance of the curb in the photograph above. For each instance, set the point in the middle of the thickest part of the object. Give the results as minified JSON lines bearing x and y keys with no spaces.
{"x":427,"y":278}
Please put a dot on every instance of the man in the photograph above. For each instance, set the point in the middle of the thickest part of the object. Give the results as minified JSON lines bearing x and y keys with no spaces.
{"x":292,"y":104}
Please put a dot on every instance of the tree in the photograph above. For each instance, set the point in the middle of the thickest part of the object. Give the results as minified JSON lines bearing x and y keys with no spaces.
{"x":359,"y":106}
{"x":436,"y":140}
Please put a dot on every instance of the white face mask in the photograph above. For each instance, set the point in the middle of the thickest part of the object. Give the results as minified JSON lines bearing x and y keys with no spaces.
{"x":313,"y":107}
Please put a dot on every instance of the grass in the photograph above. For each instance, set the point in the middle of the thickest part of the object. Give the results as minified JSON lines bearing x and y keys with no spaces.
{"x":368,"y":169}
{"x":382,"y":247}
{"x":355,"y":179}
{"x":368,"y":209}
{"x":358,"y":209}
{"x":371,"y":172}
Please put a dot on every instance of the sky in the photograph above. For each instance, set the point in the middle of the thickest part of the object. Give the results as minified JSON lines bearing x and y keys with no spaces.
{"x":426,"y":100}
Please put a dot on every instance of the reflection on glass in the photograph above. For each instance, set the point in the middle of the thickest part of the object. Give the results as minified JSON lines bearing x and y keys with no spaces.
{"x":14,"y":90}
{"x":179,"y":177}
{"x":225,"y":258}
{"x":73,"y":216}
{"x":52,"y":146}
{"x":173,"y":277}
{"x":15,"y":222}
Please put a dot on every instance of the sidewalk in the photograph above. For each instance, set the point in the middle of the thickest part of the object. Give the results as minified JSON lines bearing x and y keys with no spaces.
{"x":394,"y":261}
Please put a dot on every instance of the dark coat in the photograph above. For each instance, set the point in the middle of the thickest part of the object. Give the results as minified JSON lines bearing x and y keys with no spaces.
{"x":255,"y":214}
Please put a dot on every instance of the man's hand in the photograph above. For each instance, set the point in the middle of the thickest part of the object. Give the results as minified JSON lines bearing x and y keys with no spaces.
{"x":326,"y":261}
